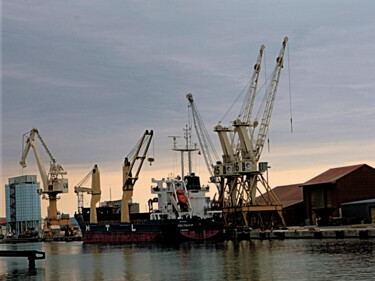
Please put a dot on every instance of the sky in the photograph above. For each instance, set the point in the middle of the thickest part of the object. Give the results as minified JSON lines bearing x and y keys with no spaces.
{"x":92,"y":76}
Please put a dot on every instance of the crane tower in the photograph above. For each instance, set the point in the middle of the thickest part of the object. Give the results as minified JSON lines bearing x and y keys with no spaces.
{"x":53,"y":181}
{"x":241,"y":174}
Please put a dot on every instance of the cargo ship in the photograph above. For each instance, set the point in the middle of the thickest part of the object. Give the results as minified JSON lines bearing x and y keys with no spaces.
{"x":183,"y":212}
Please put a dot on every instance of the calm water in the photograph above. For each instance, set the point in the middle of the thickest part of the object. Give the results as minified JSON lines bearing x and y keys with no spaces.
{"x":245,"y":260}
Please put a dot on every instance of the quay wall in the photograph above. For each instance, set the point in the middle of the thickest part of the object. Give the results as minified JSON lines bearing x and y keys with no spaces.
{"x":301,"y":233}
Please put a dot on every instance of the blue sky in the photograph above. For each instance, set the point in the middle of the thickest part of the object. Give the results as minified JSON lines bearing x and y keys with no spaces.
{"x":93,"y":75}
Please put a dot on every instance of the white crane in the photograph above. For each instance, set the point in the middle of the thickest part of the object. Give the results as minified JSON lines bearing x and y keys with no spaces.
{"x":263,"y":130}
{"x":231,"y":146}
{"x":241,"y":187}
{"x":205,"y":143}
{"x":53,"y":181}
{"x":250,"y":152}
{"x":249,"y":105}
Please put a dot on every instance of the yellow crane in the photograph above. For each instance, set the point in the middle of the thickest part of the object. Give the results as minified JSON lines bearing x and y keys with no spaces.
{"x":95,"y":192}
{"x":134,"y":161}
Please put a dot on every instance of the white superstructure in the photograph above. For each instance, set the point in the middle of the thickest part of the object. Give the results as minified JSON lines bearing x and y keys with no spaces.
{"x":181,"y":197}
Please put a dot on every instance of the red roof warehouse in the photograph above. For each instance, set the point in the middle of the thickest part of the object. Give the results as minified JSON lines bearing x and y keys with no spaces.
{"x":324,"y":194}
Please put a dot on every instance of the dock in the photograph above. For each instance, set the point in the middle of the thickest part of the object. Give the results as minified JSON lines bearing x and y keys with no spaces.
{"x":31,"y":255}
{"x":355,"y":231}
{"x":39,"y":239}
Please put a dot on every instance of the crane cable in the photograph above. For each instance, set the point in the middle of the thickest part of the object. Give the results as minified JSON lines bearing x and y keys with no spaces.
{"x":290,"y":94}
{"x":211,"y":146}
{"x":190,"y":124}
{"x":131,"y":154}
{"x":265,"y":96}
{"x":265,"y":77}
{"x":84,"y":180}
{"x":235,"y":101}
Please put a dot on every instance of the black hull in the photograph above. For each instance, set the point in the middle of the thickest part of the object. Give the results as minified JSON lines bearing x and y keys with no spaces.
{"x":176,"y":230}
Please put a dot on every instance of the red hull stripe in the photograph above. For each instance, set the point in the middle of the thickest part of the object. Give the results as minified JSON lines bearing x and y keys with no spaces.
{"x":121,"y":237}
{"x":200,"y":235}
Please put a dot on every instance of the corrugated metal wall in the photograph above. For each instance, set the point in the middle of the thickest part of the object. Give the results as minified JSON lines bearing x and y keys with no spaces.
{"x":359,"y":185}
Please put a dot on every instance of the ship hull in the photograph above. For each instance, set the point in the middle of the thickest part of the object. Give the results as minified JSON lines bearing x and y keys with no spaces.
{"x":151,"y":231}
{"x":120,"y":237}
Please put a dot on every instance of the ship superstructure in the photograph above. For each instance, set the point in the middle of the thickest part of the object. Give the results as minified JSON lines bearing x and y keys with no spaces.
{"x":181,"y":197}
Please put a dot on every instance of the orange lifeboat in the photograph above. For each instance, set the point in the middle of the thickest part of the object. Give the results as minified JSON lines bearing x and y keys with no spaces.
{"x":181,"y":197}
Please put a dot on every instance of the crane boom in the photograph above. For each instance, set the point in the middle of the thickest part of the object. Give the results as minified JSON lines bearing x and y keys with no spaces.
{"x":138,"y":153}
{"x":246,"y":116}
{"x":270,"y":102}
{"x":205,"y":143}
{"x":53,"y":181}
{"x":29,"y":140}
{"x":95,"y":192}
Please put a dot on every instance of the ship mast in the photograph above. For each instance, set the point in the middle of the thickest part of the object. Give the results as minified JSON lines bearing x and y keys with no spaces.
{"x":187,"y":148}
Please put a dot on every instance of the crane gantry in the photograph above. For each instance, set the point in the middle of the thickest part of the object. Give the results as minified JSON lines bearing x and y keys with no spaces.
{"x":241,"y":171}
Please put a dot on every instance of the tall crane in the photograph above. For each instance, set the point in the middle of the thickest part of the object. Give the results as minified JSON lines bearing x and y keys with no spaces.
{"x":53,"y":181}
{"x":249,"y":104}
{"x":250,"y":150}
{"x":134,"y":160}
{"x":241,"y":188}
{"x":230,"y":145}
{"x":95,"y":192}
{"x":205,"y":143}
{"x":246,"y":114}
{"x":264,"y":126}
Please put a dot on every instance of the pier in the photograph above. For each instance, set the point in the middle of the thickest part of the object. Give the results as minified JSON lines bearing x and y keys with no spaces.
{"x":31,"y":255}
{"x":354,"y":231}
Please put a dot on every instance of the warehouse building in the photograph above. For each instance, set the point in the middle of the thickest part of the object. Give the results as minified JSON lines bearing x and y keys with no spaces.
{"x":291,"y":198}
{"x":23,"y":213}
{"x":360,"y":211}
{"x":325,"y":194}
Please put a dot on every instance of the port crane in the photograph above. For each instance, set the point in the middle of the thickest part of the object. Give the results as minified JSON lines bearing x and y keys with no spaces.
{"x":133,"y":161}
{"x":95,"y":192}
{"x":249,"y":103}
{"x":239,"y":188}
{"x":53,"y":181}
{"x":230,"y":147}
{"x":205,"y":143}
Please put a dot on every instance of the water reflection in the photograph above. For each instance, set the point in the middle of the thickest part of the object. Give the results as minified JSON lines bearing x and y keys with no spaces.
{"x":244,"y":260}
{"x":128,"y":264}
{"x":362,"y":247}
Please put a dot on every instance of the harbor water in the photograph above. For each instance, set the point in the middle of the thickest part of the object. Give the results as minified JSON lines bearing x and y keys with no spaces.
{"x":294,"y":259}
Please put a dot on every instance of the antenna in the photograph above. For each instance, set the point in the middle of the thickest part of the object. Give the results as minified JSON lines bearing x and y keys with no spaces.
{"x":174,"y":140}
